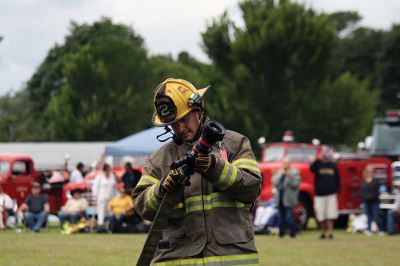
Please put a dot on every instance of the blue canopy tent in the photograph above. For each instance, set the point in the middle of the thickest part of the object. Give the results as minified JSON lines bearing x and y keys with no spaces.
{"x":142,"y":143}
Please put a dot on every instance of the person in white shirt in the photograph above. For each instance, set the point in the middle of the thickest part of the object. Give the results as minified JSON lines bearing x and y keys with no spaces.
{"x":103,"y":188}
{"x":6,"y":203}
{"x":77,"y":174}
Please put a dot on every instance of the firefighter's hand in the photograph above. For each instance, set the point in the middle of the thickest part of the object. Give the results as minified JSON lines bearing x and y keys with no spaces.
{"x":205,"y":162}
{"x":170,"y":183}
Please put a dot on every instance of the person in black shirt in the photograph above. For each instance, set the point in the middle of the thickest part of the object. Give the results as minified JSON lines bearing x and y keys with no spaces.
{"x":130,"y":178}
{"x":36,"y":207}
{"x":327,"y":185}
{"x":370,"y":196}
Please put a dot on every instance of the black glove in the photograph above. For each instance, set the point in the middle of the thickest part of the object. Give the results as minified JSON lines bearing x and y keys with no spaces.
{"x":171,"y":181}
{"x":205,"y":162}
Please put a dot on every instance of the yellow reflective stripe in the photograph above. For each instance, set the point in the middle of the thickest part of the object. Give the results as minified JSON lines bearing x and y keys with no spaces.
{"x":244,"y":160}
{"x":215,"y":205}
{"x":151,"y":198}
{"x":232,"y":178}
{"x":245,"y":259}
{"x":227,"y":177}
{"x":245,"y":163}
{"x":224,"y":173}
{"x":206,"y":197}
{"x":252,"y":168}
{"x":147,"y":180}
{"x":208,"y":202}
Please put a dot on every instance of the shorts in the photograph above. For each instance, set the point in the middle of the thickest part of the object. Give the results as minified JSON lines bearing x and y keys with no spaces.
{"x":326,"y":207}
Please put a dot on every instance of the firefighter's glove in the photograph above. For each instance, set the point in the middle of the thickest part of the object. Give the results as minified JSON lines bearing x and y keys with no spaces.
{"x":170,"y":182}
{"x":205,"y":162}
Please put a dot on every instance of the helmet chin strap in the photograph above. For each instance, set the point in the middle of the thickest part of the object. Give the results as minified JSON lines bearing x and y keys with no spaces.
{"x":178,"y":140}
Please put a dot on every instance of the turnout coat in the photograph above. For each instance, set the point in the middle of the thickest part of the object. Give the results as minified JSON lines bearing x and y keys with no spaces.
{"x":211,"y":223}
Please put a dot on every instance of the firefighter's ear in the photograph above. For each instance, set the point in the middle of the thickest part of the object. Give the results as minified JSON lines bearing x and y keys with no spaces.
{"x":199,"y":113}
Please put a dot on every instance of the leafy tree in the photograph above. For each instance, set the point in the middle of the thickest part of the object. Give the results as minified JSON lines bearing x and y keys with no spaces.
{"x":389,"y":69}
{"x":277,"y":69}
{"x":373,"y":55}
{"x":348,"y":106}
{"x":274,"y":62}
{"x":185,"y":67}
{"x":16,"y":124}
{"x":99,"y":84}
{"x":358,"y":52}
{"x":344,"y":20}
{"x":49,"y":77}
{"x":106,"y":90}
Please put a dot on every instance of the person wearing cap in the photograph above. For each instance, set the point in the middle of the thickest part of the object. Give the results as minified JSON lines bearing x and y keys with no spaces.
{"x":211,"y":222}
{"x":36,"y":207}
{"x":74,"y":209}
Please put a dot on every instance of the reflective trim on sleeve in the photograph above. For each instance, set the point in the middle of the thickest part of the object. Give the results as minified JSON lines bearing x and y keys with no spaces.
{"x":146,"y":180}
{"x":246,"y":163}
{"x":227,"y":177}
{"x":208,"y":202}
{"x":151,"y":198}
{"x":245,"y":259}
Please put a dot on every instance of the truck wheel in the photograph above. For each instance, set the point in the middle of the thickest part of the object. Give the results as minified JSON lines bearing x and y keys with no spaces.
{"x":302,"y":211}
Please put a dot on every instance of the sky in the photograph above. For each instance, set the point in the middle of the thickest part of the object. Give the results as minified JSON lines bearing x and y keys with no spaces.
{"x":31,"y":27}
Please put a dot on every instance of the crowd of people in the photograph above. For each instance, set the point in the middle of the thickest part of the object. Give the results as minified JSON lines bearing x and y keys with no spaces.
{"x":113,"y":209}
{"x":276,"y":215}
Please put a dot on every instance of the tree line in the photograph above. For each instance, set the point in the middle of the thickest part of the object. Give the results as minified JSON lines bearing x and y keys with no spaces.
{"x":287,"y":67}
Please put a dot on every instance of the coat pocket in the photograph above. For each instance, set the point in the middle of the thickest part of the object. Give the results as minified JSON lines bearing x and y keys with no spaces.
{"x":171,"y":238}
{"x":232,"y":226}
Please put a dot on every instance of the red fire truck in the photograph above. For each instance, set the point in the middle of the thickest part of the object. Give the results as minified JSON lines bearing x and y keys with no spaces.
{"x":385,"y":148}
{"x":17,"y":172}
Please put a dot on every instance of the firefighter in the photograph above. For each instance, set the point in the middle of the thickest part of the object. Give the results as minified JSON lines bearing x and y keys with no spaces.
{"x":211,"y":222}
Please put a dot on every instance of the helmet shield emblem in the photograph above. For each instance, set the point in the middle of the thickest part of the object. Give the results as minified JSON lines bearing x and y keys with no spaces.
{"x":165,"y":108}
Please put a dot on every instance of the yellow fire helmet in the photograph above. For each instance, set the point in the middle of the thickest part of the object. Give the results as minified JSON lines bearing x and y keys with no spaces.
{"x":175,"y":98}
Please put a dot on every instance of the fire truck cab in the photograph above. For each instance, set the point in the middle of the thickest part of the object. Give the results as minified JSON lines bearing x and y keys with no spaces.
{"x":17,"y":172}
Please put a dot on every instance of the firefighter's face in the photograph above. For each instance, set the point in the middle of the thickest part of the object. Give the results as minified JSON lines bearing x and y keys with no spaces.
{"x":188,"y":126}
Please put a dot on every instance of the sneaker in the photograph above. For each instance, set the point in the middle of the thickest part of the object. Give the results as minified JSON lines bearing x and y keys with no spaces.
{"x":367,"y":233}
{"x":322,"y":236}
{"x":330,"y":236}
{"x":381,"y":233}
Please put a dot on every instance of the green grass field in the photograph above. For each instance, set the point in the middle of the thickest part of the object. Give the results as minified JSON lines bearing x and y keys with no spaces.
{"x":51,"y":248}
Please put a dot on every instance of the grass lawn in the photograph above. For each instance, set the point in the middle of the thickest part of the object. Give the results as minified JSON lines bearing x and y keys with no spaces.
{"x":51,"y":248}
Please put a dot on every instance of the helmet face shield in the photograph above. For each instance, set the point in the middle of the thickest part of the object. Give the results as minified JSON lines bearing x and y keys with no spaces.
{"x":174,"y":99}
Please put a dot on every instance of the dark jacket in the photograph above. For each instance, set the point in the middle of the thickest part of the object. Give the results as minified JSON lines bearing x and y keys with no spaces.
{"x":370,"y":191}
{"x":326,"y":179}
{"x":213,"y":220}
